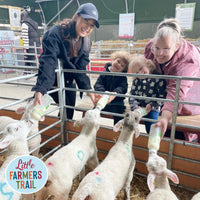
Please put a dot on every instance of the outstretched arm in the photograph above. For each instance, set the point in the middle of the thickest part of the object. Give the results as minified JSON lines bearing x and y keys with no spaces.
{"x":163,"y":122}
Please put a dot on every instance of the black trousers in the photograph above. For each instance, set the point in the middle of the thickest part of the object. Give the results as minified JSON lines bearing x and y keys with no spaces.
{"x":70,"y":99}
{"x":115,"y":108}
{"x":30,"y":58}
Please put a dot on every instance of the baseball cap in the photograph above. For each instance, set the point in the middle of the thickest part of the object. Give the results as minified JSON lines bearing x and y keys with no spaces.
{"x":89,"y":11}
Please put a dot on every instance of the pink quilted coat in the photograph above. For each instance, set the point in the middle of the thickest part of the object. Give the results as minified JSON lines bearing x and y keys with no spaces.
{"x":185,"y":62}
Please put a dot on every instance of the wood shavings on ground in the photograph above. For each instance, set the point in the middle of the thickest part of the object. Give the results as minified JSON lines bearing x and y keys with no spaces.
{"x":139,"y":190}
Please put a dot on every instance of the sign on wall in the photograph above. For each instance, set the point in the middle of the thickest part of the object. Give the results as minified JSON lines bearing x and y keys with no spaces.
{"x":185,"y":14}
{"x":7,"y":56}
{"x":14,"y":14}
{"x":126,"y":25}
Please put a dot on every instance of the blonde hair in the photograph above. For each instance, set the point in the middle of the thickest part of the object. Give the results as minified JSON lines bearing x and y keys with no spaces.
{"x":124,"y":55}
{"x":142,"y":61}
{"x":170,"y":27}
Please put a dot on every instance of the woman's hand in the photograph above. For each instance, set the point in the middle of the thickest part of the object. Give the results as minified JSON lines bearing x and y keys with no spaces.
{"x":97,"y":97}
{"x":148,"y":108}
{"x":92,"y":97}
{"x":38,"y":98}
{"x":163,"y":122}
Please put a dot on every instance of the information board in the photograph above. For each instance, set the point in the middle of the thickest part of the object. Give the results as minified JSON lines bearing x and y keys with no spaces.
{"x":126,"y":25}
{"x":185,"y":14}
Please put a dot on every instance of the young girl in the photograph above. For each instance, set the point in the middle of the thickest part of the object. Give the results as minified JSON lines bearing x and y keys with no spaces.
{"x":148,"y":87}
{"x":115,"y":84}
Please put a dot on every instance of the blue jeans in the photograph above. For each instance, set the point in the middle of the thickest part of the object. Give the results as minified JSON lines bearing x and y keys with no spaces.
{"x":151,"y":115}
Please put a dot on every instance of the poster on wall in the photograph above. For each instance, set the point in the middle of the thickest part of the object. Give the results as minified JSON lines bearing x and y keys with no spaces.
{"x":185,"y":14}
{"x":7,"y":56}
{"x":126,"y":25}
{"x":14,"y":14}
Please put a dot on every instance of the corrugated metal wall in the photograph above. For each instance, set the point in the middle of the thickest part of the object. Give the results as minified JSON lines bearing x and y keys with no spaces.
{"x":148,"y":14}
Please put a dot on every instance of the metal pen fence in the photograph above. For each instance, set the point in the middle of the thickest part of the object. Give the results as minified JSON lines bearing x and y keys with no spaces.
{"x":21,"y":80}
{"x":103,"y":49}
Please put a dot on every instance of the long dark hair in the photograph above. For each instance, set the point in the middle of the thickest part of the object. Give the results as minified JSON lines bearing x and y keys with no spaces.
{"x":68,"y":29}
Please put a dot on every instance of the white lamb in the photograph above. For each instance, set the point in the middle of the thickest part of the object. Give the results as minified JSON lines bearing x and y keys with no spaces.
{"x":196,"y":196}
{"x":35,"y":141}
{"x":157,"y":179}
{"x":14,"y":138}
{"x":66,"y":163}
{"x":116,"y":171}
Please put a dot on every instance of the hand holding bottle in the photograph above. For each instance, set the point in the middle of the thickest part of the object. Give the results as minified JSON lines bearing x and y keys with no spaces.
{"x":103,"y":101}
{"x":38,"y":97}
{"x":39,"y":110}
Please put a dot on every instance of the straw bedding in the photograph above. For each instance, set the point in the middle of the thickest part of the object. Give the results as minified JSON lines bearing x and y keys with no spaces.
{"x":138,"y":191}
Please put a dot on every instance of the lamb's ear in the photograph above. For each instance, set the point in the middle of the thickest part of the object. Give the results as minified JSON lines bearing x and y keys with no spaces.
{"x":42,"y":118}
{"x":78,"y":123}
{"x":6,"y":141}
{"x":172,"y":176}
{"x":150,"y":181}
{"x":137,"y":133}
{"x":20,"y":110}
{"x":118,"y":125}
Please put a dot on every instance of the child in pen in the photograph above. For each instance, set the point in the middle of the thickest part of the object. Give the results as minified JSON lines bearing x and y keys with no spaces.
{"x":147,"y":87}
{"x":114,"y":84}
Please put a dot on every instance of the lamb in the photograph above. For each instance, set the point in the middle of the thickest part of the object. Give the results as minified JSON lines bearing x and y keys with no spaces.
{"x":66,"y":163}
{"x":14,"y":137}
{"x":157,"y":179}
{"x":35,"y":141}
{"x":196,"y":196}
{"x":116,"y":171}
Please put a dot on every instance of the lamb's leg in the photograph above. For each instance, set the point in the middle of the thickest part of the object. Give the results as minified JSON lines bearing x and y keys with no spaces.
{"x":35,"y":153}
{"x":82,"y":174}
{"x":93,"y":162}
{"x":129,"y":179}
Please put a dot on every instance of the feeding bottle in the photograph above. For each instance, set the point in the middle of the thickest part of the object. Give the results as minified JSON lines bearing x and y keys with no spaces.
{"x":154,"y":138}
{"x":38,"y":110}
{"x":142,"y":111}
{"x":103,"y":101}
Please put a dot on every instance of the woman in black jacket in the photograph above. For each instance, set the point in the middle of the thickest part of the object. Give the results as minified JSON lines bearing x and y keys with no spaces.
{"x":69,"y":42}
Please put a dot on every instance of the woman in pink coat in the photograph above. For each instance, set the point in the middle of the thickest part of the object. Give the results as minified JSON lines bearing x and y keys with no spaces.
{"x":175,"y":56}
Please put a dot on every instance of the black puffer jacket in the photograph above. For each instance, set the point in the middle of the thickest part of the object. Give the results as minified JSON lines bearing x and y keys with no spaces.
{"x":33,"y":34}
{"x":55,"y":48}
{"x":112,"y":83}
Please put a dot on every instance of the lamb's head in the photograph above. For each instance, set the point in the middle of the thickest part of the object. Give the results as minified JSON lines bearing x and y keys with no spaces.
{"x":156,"y":164}
{"x":130,"y":123}
{"x":14,"y":131}
{"x":157,"y":167}
{"x":91,"y":117}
